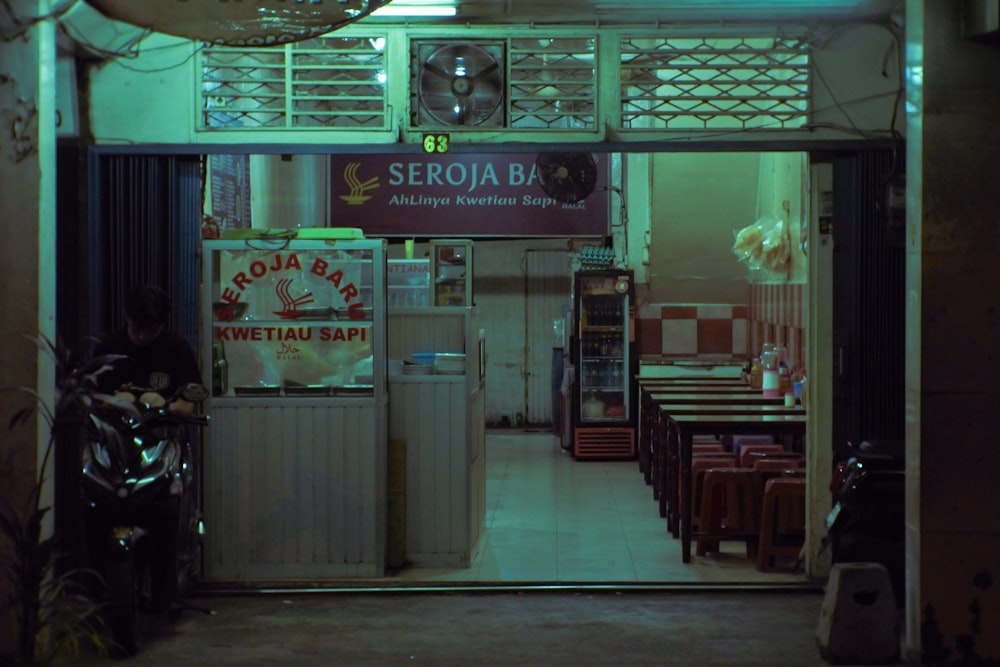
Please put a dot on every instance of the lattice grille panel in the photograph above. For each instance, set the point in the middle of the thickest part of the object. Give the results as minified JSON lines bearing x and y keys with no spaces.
{"x":553,"y":83}
{"x":324,"y":82}
{"x":713,"y":83}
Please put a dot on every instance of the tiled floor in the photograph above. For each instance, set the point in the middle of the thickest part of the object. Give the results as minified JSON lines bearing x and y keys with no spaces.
{"x":552,"y":519}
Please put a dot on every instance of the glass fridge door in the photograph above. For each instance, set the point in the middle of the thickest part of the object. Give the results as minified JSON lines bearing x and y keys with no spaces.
{"x":603,"y":348}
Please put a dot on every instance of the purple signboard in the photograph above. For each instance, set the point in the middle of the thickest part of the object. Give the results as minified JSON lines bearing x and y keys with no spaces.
{"x":462,"y":195}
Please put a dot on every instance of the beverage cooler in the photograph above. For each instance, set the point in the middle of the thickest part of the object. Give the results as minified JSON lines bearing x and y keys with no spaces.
{"x":604,"y":397}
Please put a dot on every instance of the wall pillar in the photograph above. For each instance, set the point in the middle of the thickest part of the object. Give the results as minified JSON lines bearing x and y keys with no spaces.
{"x":27,"y":227}
{"x":953,"y":362}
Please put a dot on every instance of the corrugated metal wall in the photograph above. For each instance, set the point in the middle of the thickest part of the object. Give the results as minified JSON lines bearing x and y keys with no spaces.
{"x":145,"y":227}
{"x":548,"y":285}
{"x":869,"y":303}
{"x":294,"y":493}
{"x":442,"y":426}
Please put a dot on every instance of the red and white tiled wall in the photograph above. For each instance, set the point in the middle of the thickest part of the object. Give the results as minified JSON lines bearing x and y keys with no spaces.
{"x":775,"y":314}
{"x":778,"y":315}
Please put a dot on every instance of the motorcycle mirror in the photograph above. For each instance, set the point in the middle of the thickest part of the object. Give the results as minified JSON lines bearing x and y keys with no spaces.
{"x":194,"y":392}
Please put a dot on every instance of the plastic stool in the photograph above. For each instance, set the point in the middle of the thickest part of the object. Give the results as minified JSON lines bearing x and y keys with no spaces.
{"x":782,"y":521}
{"x":790,"y":459}
{"x":745,"y":452}
{"x":730,"y":509}
{"x":699,"y":465}
{"x":767,"y":463}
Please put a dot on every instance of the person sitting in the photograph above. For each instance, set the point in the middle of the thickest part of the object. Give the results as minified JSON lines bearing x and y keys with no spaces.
{"x":158,"y":361}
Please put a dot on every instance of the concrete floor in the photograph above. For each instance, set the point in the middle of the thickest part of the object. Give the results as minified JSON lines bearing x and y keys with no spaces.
{"x":514,"y":627}
{"x":561,"y":580}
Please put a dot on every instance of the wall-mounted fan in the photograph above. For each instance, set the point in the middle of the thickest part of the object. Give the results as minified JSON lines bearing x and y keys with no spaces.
{"x":566,"y":177}
{"x":459,"y":84}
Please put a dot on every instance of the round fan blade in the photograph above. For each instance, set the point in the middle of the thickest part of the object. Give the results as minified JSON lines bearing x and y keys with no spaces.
{"x":434,"y":69}
{"x":484,"y":73}
{"x":460,"y":84}
{"x":567,"y":177}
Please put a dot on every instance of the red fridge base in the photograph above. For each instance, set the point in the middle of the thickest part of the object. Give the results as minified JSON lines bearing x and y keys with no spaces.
{"x":604,"y":443}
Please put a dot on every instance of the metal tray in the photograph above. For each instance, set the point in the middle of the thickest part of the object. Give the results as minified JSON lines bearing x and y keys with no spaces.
{"x":307,"y":390}
{"x":261,"y":390}
{"x":354,"y":390}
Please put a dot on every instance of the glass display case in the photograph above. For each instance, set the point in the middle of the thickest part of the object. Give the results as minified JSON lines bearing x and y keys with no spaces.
{"x":299,"y":410}
{"x":451,"y":272}
{"x":408,"y":282}
{"x":295,"y":318}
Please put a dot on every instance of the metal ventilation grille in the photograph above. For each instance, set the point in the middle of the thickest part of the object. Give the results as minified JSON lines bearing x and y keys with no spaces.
{"x":324,"y":82}
{"x":553,"y":83}
{"x":713,"y":83}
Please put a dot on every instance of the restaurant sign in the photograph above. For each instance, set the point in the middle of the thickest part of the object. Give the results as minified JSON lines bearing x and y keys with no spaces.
{"x":463,"y":195}
{"x":307,"y":319}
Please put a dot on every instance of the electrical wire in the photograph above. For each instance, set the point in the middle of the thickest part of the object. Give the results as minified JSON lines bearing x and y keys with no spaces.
{"x":27,"y":23}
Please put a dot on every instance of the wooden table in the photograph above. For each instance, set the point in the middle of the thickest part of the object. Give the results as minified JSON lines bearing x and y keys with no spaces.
{"x":664,"y":456}
{"x":652,"y":401}
{"x":681,"y":385}
{"x":688,"y":426}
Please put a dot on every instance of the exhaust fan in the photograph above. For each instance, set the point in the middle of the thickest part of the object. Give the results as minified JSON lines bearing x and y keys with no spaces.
{"x":459,"y":85}
{"x":566,"y":177}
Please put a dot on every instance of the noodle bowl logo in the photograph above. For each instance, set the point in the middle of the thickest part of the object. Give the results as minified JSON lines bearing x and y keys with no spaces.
{"x":289,"y":304}
{"x":358,"y":188}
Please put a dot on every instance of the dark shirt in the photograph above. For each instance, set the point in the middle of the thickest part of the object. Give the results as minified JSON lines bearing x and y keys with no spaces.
{"x":164,"y":365}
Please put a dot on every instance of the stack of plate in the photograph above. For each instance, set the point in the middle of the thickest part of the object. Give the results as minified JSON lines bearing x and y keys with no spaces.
{"x":417,"y":369}
{"x":423,"y":358}
{"x":449,"y":363}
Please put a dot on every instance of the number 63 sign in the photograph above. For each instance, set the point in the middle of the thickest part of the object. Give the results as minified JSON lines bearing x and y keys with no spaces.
{"x":436,"y":143}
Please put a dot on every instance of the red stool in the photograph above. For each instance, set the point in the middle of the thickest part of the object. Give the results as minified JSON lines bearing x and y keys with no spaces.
{"x":745,"y":452}
{"x":788,"y":459}
{"x":777,"y":464}
{"x":782,"y":521}
{"x":700,"y":464}
{"x":730,"y":509}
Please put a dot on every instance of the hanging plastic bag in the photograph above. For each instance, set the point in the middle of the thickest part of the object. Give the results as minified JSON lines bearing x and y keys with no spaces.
{"x":763,"y":245}
{"x":776,"y":253}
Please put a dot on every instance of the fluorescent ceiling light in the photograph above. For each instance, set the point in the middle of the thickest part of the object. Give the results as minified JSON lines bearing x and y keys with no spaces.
{"x":403,"y":9}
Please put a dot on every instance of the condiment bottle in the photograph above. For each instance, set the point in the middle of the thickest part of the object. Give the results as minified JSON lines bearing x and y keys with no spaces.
{"x":220,"y":369}
{"x":756,"y":373}
{"x":769,"y":383}
{"x":784,"y":379}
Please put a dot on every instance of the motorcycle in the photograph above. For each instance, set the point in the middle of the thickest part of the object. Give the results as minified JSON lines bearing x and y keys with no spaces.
{"x":141,"y":505}
{"x":868,"y":519}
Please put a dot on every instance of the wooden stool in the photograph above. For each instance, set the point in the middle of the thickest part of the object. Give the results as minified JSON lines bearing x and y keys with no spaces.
{"x":706,"y":447}
{"x":730,"y":509}
{"x":782,"y":521}
{"x":790,"y":459}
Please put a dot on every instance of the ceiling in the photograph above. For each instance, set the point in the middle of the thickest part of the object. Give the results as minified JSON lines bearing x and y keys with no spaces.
{"x":664,"y":12}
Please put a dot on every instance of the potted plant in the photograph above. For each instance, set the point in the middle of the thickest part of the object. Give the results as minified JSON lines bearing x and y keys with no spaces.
{"x":52,"y":617}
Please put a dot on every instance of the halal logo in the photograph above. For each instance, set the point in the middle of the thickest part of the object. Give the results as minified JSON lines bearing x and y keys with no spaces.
{"x":289,"y":304}
{"x":358,"y":187}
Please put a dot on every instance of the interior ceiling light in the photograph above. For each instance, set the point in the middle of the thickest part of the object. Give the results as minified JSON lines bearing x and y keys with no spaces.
{"x":244,"y":23}
{"x":400,"y":9}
